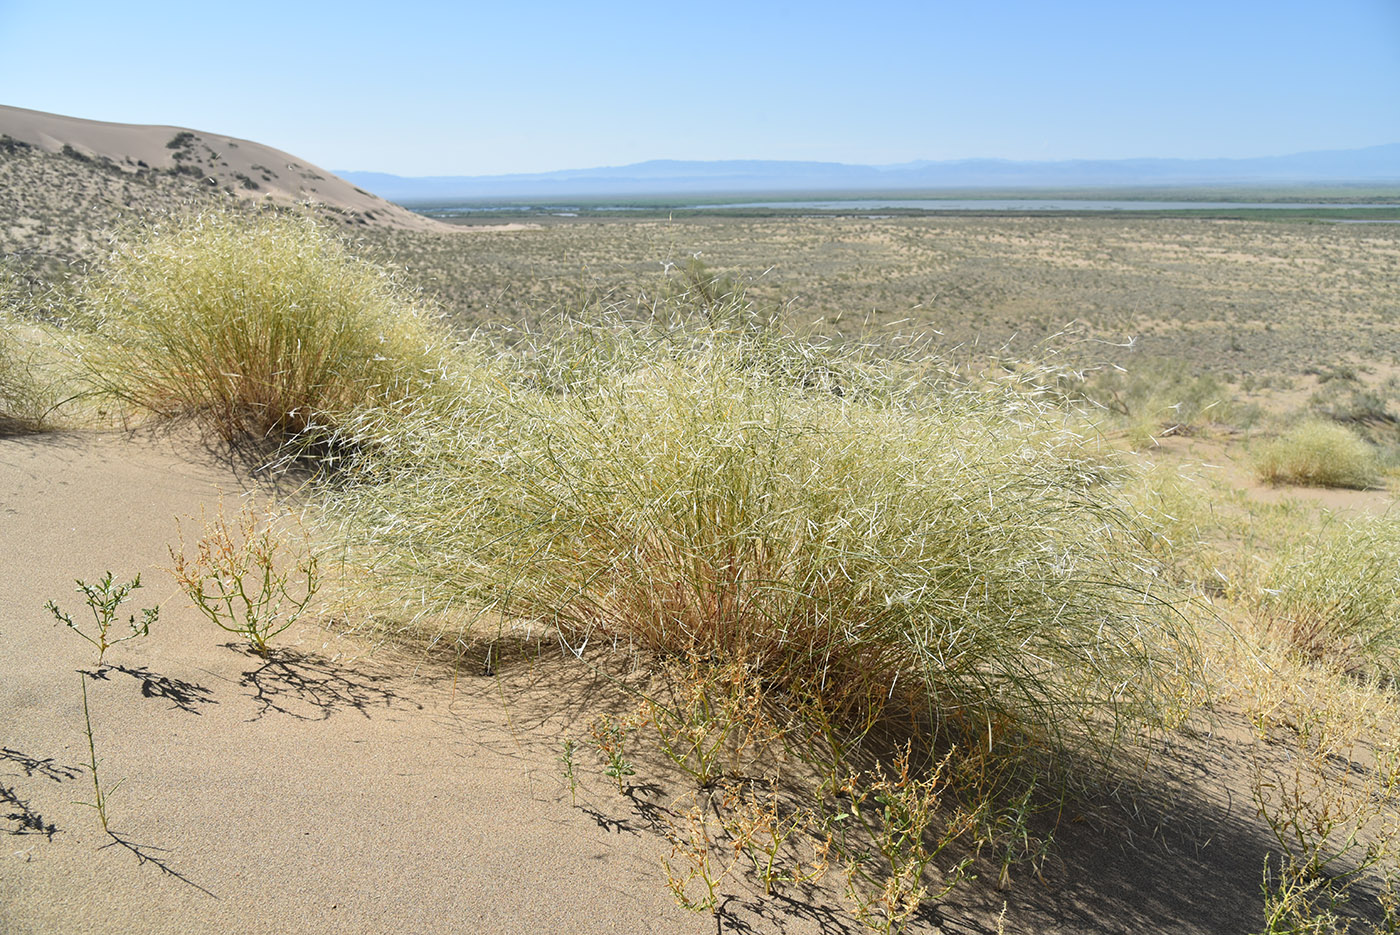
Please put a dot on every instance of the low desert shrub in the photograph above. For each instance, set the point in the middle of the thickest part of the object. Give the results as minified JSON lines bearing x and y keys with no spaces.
{"x":262,"y":324}
{"x":1347,"y":399}
{"x":853,"y":528}
{"x":1154,"y":398}
{"x":1319,"y":454}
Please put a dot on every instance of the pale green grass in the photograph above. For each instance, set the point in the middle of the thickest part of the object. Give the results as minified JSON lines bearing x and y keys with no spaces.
{"x":261,"y":324}
{"x":1329,"y":585}
{"x":861,"y":529}
{"x":1320,"y":454}
{"x":30,"y":384}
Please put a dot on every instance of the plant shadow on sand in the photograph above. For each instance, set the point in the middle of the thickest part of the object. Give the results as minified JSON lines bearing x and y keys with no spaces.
{"x":186,"y":696}
{"x":46,"y":767}
{"x":27,"y":821}
{"x":311,"y":688}
{"x":18,"y":810}
{"x":1155,"y":853}
{"x":147,"y":854}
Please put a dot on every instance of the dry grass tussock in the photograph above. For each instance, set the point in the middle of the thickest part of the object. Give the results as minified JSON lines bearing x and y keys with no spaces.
{"x":261,"y":324}
{"x":857,"y":529}
{"x":1320,"y":454}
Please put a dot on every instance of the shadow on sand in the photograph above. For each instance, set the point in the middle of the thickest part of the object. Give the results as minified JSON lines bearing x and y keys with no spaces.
{"x":311,"y":688}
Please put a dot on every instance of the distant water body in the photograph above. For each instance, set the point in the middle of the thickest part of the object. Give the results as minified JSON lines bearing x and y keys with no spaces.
{"x":978,"y":204}
{"x":875,"y":205}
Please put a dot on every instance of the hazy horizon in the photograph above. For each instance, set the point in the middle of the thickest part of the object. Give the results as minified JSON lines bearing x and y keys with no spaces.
{"x":912,"y":162}
{"x":461,"y":90}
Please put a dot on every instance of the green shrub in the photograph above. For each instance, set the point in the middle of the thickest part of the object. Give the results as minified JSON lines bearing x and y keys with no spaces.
{"x":260,"y":324}
{"x":1352,"y":401}
{"x":1319,"y":454}
{"x":850,"y":529}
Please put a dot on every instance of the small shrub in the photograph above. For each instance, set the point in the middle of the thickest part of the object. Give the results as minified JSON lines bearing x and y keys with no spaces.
{"x":1155,"y":398}
{"x":261,"y":324}
{"x":1319,"y":454}
{"x":241,"y":579}
{"x":1354,"y":402}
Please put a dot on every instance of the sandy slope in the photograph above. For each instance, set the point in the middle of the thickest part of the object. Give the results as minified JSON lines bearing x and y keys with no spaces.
{"x":246,"y":168}
{"x":312,"y":794}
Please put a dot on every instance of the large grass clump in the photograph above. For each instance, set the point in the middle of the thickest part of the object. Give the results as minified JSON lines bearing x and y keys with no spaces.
{"x":258,"y":323}
{"x":1320,"y":454}
{"x":856,"y":530}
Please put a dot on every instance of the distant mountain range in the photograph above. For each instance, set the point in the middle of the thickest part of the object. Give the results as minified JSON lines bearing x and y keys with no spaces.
{"x":1375,"y":165}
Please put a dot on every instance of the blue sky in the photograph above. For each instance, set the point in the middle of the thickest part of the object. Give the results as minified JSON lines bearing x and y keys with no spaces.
{"x":421,"y":88}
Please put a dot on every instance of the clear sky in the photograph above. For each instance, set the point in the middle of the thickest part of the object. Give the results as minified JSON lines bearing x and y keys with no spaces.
{"x":423,"y":88}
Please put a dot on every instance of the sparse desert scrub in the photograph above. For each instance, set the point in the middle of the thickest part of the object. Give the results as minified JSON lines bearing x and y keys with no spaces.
{"x":259,"y":323}
{"x":855,"y":528}
{"x":1151,"y":399}
{"x":1319,"y":454}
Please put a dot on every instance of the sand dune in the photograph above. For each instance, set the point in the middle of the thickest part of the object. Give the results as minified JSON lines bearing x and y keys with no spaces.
{"x":251,"y":170}
{"x":315,"y":793}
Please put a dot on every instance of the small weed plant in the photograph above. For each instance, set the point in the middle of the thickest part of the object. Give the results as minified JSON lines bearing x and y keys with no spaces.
{"x":103,"y":598}
{"x":711,"y":719}
{"x":609,"y":737}
{"x":567,"y":765}
{"x":698,"y":866}
{"x":245,"y":576}
{"x":892,"y":828}
{"x":766,"y":834}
